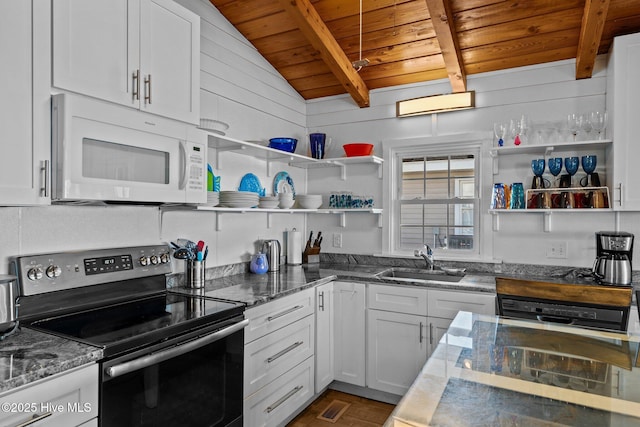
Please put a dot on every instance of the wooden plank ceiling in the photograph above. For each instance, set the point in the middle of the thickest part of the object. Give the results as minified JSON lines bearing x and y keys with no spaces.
{"x":313,"y":43}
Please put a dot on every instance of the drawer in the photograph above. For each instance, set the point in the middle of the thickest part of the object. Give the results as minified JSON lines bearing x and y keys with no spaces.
{"x":280,"y":399}
{"x":273,"y":315}
{"x":400,"y":299}
{"x":71,"y":397}
{"x":446,"y":304}
{"x":270,"y":356}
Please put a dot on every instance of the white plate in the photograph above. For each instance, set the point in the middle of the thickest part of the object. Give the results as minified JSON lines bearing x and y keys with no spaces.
{"x":282,"y":183}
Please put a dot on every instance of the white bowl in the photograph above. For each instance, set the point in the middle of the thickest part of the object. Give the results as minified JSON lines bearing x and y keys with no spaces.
{"x":268,"y":204}
{"x":309,"y":204}
{"x":286,"y":203}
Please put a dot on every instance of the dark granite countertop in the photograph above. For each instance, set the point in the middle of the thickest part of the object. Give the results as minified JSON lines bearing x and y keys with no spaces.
{"x":253,"y":289}
{"x":29,"y":355}
{"x":492,"y":371}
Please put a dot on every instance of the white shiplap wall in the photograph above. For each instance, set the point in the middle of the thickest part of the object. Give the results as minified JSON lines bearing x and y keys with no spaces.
{"x":546,"y":93}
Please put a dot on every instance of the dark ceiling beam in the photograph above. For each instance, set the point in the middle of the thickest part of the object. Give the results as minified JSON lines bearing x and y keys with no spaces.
{"x":442,"y":20}
{"x":593,"y":20}
{"x":314,"y":29}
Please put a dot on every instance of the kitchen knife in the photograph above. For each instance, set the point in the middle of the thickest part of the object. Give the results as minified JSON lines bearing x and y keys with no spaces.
{"x":317,"y":241}
{"x":309,"y":241}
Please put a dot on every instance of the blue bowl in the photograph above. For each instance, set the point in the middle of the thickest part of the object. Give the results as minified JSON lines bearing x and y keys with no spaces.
{"x":283,"y":144}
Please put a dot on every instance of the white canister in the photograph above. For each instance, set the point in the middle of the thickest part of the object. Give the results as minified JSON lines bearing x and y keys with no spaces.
{"x":294,"y":247}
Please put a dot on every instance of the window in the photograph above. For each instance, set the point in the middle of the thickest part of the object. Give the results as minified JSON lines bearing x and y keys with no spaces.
{"x":436,"y":200}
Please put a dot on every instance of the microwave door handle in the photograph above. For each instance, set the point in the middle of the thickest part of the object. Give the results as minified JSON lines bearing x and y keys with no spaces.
{"x":183,"y":166}
{"x":161,"y":356}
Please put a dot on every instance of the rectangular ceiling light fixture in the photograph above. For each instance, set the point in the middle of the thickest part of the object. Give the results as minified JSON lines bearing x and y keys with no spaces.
{"x":435,"y":104}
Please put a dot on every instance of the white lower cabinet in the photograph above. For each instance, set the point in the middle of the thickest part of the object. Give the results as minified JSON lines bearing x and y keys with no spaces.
{"x":274,"y":403}
{"x":279,"y":363}
{"x":634,"y":321}
{"x":324,"y":336}
{"x":69,"y":399}
{"x":396,"y":350}
{"x":349,"y":332}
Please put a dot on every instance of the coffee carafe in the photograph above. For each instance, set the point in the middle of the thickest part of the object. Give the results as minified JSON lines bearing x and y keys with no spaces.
{"x":613,"y":257}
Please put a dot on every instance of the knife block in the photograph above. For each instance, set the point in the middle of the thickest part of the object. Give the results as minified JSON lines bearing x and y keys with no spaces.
{"x":311,"y":255}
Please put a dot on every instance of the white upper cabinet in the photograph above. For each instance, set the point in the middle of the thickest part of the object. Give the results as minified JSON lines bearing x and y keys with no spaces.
{"x":140,"y":53}
{"x":24,"y":104}
{"x":623,"y":93}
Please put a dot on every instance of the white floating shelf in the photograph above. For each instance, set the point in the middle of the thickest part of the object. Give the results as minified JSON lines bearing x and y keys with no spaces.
{"x":344,"y":212}
{"x":548,"y":148}
{"x":341,"y":162}
{"x":545,"y":212}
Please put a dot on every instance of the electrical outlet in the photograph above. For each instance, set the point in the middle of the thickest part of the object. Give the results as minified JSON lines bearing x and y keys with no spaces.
{"x":557,"y":250}
{"x":337,"y":240}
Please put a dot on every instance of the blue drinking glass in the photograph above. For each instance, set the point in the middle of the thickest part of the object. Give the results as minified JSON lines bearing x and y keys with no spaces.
{"x":589,"y":163}
{"x":571,"y":165}
{"x":555,"y":167}
{"x":537,"y":166}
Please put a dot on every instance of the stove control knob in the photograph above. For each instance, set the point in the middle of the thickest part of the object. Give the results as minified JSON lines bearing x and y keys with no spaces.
{"x":144,"y":261}
{"x":34,"y":273}
{"x":154,"y":259}
{"x":164,"y":258}
{"x":53,"y":271}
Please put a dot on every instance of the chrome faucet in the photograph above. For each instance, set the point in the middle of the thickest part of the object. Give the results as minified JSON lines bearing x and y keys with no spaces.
{"x":426,"y":253}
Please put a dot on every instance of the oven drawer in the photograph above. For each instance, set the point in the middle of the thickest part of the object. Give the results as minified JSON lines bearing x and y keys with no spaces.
{"x":272,"y":316}
{"x":276,"y":402}
{"x":71,"y":398}
{"x":270,"y":356}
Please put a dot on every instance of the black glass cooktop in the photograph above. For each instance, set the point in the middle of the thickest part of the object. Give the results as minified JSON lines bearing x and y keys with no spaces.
{"x":132,"y":324}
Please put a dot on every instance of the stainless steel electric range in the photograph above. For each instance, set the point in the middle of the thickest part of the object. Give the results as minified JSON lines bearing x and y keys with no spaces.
{"x":169,"y":358}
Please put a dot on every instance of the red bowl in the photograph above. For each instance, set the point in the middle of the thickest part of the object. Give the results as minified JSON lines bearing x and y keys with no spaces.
{"x":358,"y":149}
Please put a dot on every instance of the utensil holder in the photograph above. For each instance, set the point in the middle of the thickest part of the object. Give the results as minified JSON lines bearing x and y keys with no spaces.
{"x":195,"y":273}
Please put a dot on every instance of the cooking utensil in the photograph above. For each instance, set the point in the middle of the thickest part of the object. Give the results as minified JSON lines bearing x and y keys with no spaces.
{"x":317,"y":241}
{"x":310,"y":240}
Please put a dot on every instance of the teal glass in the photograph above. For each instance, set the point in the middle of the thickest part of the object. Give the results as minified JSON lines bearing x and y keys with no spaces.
{"x":517,"y":196}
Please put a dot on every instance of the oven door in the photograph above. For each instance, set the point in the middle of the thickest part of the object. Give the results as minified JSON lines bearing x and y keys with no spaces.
{"x":103,"y":153}
{"x":195,"y":380}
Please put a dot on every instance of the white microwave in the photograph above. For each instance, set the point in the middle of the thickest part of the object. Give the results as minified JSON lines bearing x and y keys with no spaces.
{"x":103,"y":152}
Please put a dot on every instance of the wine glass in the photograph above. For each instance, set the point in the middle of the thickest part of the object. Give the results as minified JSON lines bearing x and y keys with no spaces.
{"x":525,"y":128}
{"x":572,"y":124}
{"x":515,"y":127}
{"x":555,"y":166}
{"x":500,"y":130}
{"x":571,"y":165}
{"x":537,"y":166}
{"x":589,"y":163}
{"x":598,"y":121}
{"x":584,"y":124}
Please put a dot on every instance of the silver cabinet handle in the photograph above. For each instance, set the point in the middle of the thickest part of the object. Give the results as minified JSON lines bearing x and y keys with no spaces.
{"x":420,"y":333}
{"x":284,"y":313}
{"x":285,"y":351}
{"x":620,"y":190}
{"x":321,"y":303}
{"x":161,"y":356}
{"x":135,"y":85}
{"x":147,"y":89}
{"x":34,"y":419}
{"x":283,"y":399}
{"x":430,"y":333}
{"x":44,"y":173}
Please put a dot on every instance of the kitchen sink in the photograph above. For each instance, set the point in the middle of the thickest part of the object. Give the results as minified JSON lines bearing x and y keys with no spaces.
{"x":419,"y":275}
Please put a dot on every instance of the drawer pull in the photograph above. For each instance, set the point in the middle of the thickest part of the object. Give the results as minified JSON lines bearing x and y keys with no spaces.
{"x":430,"y":333}
{"x":285,"y":351}
{"x":420,"y":334}
{"x":283,"y":399}
{"x":34,"y":419}
{"x":321,"y":302}
{"x":284,"y":313}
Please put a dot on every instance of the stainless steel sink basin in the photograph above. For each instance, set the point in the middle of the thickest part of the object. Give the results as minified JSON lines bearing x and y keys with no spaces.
{"x":418,"y":275}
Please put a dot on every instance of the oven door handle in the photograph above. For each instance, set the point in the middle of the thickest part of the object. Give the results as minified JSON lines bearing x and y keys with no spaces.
{"x":154,"y":358}
{"x":554,"y":319}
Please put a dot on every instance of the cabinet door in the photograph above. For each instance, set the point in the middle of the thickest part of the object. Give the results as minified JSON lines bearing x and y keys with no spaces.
{"x":623,"y":92}
{"x":349,"y":332}
{"x":437,"y":328}
{"x":324,"y":336}
{"x":396,"y":350}
{"x":95,"y":48}
{"x":24,"y":109}
{"x":170,"y":60}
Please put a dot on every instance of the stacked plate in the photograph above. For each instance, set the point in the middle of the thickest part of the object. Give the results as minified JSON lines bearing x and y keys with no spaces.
{"x":268,"y":202}
{"x":239,"y":199}
{"x":309,"y":201}
{"x":213,"y":198}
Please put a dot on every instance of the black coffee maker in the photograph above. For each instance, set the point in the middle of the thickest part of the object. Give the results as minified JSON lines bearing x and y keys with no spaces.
{"x":614,"y":252}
